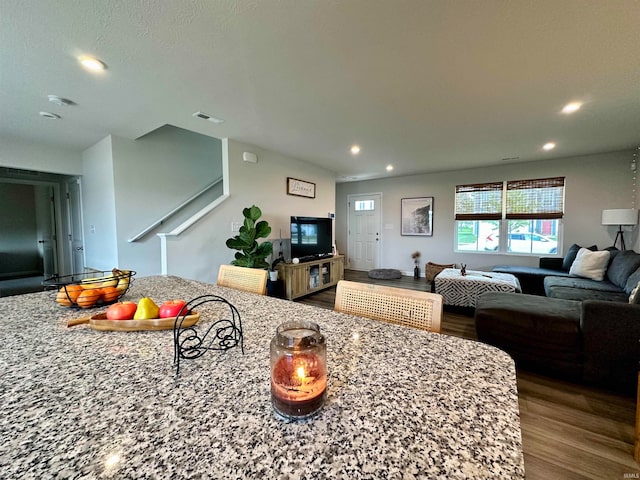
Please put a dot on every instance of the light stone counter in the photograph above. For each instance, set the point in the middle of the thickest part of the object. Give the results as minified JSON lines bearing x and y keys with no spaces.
{"x":77,"y":403}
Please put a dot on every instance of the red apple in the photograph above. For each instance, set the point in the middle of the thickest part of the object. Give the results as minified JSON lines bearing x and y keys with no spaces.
{"x":173,"y":308}
{"x":121,"y":311}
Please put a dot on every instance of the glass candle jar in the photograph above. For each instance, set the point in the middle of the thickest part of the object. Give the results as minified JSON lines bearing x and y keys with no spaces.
{"x":298,"y":370}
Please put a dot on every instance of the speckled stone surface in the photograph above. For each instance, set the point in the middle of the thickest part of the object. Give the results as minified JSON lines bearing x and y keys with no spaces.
{"x":77,"y":403}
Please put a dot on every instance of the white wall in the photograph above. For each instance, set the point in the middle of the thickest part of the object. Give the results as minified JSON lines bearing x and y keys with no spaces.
{"x":153,"y":175}
{"x":593,"y":183}
{"x":42,"y":158}
{"x":199,"y":252}
{"x":98,"y":206}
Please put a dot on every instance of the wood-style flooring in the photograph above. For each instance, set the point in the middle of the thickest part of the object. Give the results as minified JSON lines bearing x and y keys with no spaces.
{"x":569,"y":431}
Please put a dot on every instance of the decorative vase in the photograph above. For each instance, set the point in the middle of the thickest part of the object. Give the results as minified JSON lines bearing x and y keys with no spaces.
{"x":416,"y":272}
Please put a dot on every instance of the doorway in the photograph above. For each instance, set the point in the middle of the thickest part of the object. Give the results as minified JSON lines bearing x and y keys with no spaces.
{"x":33,"y":225}
{"x":364,"y":240}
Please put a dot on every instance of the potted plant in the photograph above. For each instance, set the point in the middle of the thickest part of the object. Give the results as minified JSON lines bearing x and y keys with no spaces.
{"x":416,"y":262}
{"x":250,"y":253}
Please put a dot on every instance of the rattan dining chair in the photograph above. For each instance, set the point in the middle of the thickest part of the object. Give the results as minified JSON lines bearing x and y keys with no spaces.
{"x":410,"y":308}
{"x":253,"y":280}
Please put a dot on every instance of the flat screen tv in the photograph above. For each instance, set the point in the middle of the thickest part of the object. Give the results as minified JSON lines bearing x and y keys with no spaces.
{"x":311,"y":236}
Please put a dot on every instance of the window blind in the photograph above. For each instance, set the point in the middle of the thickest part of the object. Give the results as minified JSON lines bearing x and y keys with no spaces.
{"x":480,"y":201}
{"x":537,"y":199}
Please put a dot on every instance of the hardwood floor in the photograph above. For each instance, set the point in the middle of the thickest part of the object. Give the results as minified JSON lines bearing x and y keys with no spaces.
{"x":569,"y":431}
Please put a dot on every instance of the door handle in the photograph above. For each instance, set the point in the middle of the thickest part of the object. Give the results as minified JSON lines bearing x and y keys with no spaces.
{"x":79,"y":248}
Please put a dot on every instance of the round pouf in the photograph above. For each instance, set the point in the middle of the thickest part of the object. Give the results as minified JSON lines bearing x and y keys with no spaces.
{"x":384,"y":273}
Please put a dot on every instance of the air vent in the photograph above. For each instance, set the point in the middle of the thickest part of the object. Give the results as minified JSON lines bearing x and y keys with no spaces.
{"x":206,"y":116}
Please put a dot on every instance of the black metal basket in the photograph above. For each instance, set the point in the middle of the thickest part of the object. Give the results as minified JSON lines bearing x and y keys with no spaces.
{"x":90,"y":289}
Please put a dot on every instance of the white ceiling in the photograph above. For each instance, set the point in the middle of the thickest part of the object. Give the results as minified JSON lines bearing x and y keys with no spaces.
{"x":423,"y":85}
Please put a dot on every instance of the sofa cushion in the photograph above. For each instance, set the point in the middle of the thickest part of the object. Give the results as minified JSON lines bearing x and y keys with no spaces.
{"x":575,"y":288}
{"x":570,"y":256}
{"x":622,"y":266}
{"x":590,"y":264}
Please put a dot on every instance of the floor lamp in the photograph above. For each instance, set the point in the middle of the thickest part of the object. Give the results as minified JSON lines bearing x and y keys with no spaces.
{"x":620,"y":217}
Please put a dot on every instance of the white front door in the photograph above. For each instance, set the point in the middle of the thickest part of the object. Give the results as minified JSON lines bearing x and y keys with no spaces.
{"x":364,"y":235}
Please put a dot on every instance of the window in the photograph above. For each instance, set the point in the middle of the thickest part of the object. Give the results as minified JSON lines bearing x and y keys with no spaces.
{"x":362,"y":205}
{"x":527,"y":213}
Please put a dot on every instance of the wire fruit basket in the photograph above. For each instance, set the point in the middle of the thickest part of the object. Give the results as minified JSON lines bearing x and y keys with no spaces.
{"x":86,"y":290}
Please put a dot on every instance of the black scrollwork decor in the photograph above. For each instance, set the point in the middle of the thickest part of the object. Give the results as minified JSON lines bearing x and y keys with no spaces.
{"x":221,"y":335}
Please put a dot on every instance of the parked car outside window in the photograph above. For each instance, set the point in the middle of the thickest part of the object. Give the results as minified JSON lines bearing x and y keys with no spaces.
{"x":522,"y":243}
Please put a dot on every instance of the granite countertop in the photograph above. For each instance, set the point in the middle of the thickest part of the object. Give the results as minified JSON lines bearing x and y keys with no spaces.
{"x":77,"y":403}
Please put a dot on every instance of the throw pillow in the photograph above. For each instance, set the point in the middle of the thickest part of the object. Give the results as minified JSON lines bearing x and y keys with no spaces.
{"x":571,"y":255}
{"x":635,"y":294}
{"x":590,"y":264}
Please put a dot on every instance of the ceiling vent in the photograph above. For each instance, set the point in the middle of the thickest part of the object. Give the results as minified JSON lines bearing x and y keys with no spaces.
{"x":206,"y":116}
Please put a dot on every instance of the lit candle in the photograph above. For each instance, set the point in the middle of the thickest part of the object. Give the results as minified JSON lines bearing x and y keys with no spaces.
{"x":298,"y":370}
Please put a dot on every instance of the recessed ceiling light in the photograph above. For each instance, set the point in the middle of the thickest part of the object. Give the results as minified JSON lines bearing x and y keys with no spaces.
{"x":389,"y":168}
{"x":92,"y":64}
{"x":355,"y":149}
{"x":549,"y":146}
{"x":50,"y":116}
{"x":61,"y":102}
{"x":571,"y":107}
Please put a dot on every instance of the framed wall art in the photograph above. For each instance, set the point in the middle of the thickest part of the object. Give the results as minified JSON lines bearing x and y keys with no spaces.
{"x":301,"y":188}
{"x":416,"y":215}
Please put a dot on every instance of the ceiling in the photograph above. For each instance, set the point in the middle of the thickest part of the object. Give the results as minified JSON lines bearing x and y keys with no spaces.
{"x":423,"y":85}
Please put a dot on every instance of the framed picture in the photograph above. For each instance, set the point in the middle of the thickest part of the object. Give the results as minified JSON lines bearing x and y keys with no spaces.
{"x":417,"y":216}
{"x":301,"y":188}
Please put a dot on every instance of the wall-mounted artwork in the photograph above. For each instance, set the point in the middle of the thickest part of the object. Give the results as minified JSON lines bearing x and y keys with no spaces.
{"x":301,"y":188}
{"x":417,"y":216}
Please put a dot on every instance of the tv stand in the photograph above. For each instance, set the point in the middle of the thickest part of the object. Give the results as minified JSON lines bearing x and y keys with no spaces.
{"x":305,"y":278}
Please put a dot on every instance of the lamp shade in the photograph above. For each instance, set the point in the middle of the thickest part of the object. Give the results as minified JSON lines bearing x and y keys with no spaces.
{"x":620,"y":216}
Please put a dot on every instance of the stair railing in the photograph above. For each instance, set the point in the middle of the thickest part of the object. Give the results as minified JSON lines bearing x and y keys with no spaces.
{"x":161,"y":220}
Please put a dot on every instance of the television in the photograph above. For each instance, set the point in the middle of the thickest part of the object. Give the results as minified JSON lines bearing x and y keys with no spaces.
{"x":311,"y":237}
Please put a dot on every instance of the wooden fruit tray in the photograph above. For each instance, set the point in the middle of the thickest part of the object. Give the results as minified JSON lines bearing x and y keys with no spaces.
{"x":100,"y":322}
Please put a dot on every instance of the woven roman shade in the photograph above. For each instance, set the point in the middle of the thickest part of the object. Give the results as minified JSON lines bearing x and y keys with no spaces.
{"x":537,"y":199}
{"x":480,"y":201}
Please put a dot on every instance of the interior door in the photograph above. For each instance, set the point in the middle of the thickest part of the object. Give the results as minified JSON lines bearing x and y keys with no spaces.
{"x":364,"y":236}
{"x":46,"y":228}
{"x":75,"y":234}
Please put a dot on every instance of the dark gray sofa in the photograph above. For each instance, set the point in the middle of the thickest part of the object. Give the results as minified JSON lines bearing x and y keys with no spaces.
{"x":581,"y":329}
{"x":621,"y":277}
{"x":532,"y":278}
{"x":552,"y":278}
{"x":593,"y":341}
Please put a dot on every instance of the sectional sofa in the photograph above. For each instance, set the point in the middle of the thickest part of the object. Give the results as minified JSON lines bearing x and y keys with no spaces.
{"x":579,"y":328}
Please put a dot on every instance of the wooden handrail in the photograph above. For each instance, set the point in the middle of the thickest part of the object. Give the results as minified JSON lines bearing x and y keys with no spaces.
{"x":172,"y":212}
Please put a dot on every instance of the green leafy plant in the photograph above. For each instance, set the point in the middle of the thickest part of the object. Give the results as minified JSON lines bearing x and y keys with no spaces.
{"x":251,"y":254}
